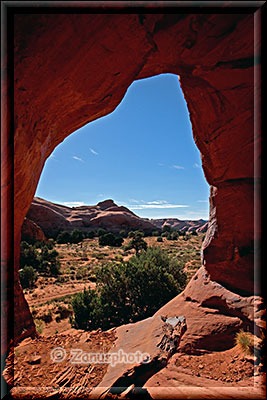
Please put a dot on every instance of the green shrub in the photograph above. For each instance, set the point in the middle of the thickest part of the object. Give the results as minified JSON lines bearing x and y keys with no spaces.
{"x":27,"y":276}
{"x":48,"y":262}
{"x":109,"y":239}
{"x":63,"y":237}
{"x":28,"y":255}
{"x":129,"y":291}
{"x":167,"y":228}
{"x":159,"y":239}
{"x":76,"y":236}
{"x":101,"y":232}
{"x":41,"y":257}
{"x":90,"y":234}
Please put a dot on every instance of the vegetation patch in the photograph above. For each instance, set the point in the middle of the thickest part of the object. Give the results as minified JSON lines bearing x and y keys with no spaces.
{"x":129,"y":291}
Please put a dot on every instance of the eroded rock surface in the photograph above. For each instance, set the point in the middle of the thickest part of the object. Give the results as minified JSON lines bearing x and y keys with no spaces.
{"x":31,"y":231}
{"x":214,"y":314}
{"x":143,"y":348}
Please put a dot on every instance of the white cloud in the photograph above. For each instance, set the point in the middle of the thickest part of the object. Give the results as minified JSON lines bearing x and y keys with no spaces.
{"x":93,"y":152}
{"x":196,"y":165}
{"x":202,"y":201}
{"x":136,"y":201}
{"x":154,"y":204}
{"x":177,"y":167}
{"x":77,"y":158}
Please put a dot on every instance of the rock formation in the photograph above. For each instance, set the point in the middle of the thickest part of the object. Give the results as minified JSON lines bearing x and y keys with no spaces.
{"x":212,"y":313}
{"x":141,"y":350}
{"x":70,"y":69}
{"x":200,"y":225}
{"x":53,"y":218}
{"x":31,"y":231}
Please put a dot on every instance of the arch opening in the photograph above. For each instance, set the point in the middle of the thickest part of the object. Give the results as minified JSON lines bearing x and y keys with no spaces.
{"x":143,"y":157}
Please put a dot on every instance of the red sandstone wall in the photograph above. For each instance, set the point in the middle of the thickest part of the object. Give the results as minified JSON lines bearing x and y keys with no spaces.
{"x":72,"y":69}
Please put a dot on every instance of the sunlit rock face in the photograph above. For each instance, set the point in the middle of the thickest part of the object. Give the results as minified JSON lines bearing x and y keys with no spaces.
{"x":72,"y":69}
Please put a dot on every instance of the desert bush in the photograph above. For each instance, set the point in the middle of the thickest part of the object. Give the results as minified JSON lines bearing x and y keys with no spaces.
{"x":174,"y":235}
{"x":101,"y":232}
{"x":159,"y":239}
{"x":63,"y":237}
{"x":46,"y":317}
{"x":76,"y":236}
{"x":129,"y":291}
{"x":39,"y":325}
{"x":245,"y":341}
{"x":48,"y":262}
{"x":118,"y":257}
{"x":28,"y":255}
{"x":123,"y":233}
{"x":27,"y":277}
{"x":90,"y":234}
{"x":41,"y":257}
{"x":63,"y":312}
{"x":109,"y":239}
{"x":166,"y":228}
{"x":81,"y":273}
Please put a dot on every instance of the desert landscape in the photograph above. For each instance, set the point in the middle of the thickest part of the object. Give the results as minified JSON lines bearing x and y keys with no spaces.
{"x":50,"y":298}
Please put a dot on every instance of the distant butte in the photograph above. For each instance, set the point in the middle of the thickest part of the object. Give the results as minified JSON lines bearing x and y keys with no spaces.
{"x":52,"y":218}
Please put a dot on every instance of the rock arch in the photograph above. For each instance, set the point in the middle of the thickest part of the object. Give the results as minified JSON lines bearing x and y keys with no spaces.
{"x":71,"y":69}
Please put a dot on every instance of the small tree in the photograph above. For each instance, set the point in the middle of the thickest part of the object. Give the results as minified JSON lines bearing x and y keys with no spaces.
{"x":28,"y":255}
{"x":137,"y":243}
{"x":76,"y":236}
{"x":27,"y":277}
{"x":90,"y":234}
{"x":101,"y":232}
{"x":174,"y":235}
{"x":109,"y":239}
{"x":63,"y":237}
{"x":166,"y":228}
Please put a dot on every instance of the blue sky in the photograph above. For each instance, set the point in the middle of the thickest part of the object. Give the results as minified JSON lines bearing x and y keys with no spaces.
{"x":142,"y":156}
